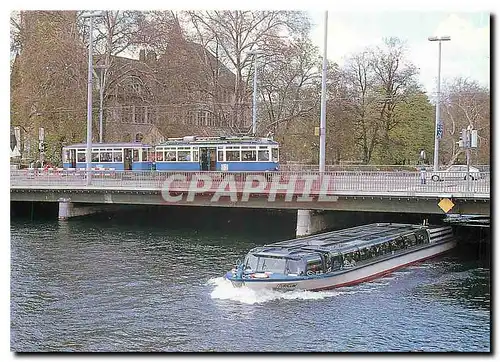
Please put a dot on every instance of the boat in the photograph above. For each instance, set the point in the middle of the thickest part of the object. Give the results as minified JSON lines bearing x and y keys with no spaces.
{"x":340,"y":258}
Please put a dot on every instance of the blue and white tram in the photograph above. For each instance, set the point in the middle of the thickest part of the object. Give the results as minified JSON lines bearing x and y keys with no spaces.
{"x":217,"y":154}
{"x":109,"y":156}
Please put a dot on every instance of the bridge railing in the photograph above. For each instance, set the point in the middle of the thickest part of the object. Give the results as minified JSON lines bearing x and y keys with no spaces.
{"x":331,"y":182}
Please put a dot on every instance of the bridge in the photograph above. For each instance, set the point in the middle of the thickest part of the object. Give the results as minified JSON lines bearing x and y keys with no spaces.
{"x":394,"y":191}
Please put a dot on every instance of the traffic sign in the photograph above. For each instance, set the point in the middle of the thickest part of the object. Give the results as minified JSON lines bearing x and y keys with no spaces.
{"x":446,"y":204}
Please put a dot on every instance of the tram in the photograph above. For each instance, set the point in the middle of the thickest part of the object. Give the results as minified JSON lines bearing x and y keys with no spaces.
{"x":133,"y":156}
{"x":193,"y":153}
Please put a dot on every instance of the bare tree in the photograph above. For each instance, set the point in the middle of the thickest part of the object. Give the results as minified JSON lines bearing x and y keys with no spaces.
{"x":233,"y":34}
{"x":465,"y":103}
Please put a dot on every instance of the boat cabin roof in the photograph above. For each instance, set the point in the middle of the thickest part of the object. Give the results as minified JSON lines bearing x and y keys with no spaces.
{"x":337,"y":241}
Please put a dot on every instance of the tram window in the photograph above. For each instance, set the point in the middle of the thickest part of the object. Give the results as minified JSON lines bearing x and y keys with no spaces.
{"x":183,"y":155}
{"x":145,"y":155}
{"x":248,"y":155}
{"x":135,"y":156}
{"x":105,"y":157}
{"x":195,"y":155}
{"x":275,"y":154}
{"x":232,"y":155}
{"x":95,"y":157}
{"x":263,"y":155}
{"x":117,"y":156}
{"x":159,"y":155}
{"x":170,"y":156}
{"x":220,"y":156}
{"x":81,"y":157}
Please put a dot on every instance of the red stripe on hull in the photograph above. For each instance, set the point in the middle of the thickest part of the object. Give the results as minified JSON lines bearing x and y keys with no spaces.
{"x":377,"y":275}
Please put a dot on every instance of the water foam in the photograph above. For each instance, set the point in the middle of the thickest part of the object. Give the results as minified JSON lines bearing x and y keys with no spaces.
{"x":224,"y":290}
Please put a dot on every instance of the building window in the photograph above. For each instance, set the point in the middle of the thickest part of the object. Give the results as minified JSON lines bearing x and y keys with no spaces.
{"x":202,"y":118}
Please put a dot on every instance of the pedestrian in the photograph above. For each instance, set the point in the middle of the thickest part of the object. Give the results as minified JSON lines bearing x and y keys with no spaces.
{"x":422,"y":175}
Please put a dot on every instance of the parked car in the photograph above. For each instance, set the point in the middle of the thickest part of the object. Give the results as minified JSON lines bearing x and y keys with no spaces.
{"x":456,"y":172}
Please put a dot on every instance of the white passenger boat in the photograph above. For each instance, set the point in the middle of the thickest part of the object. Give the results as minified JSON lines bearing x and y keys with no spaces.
{"x":340,"y":258}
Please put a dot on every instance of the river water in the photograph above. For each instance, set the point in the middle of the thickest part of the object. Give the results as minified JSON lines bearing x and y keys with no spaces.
{"x":99,"y":284}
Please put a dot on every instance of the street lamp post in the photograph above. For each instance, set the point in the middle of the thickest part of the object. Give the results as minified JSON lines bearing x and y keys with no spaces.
{"x":438,"y":127}
{"x":101,"y":95}
{"x":254,"y":102}
{"x":89,"y":94}
{"x":322,"y":126}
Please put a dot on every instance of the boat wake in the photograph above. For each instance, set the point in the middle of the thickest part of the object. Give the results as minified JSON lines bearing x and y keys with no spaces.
{"x":225,"y":291}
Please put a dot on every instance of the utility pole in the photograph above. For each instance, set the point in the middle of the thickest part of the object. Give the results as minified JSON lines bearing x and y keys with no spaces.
{"x":101,"y":68}
{"x":254,"y":102}
{"x":89,"y":95}
{"x":438,"y":132}
{"x":322,"y":126}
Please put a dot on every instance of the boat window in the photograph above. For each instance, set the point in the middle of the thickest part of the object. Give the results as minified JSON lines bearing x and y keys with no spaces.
{"x":364,"y":253}
{"x":422,"y":237}
{"x":335,"y":262}
{"x":251,"y":262}
{"x":410,"y":240}
{"x":399,"y":243}
{"x":294,"y":267}
{"x":275,"y":265}
{"x":314,"y":267}
{"x":385,"y":247}
{"x":350,"y":259}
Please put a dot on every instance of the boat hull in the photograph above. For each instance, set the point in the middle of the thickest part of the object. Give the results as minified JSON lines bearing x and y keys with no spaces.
{"x":349,"y":276}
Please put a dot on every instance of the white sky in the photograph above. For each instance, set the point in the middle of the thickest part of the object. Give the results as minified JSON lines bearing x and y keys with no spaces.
{"x":466,"y":55}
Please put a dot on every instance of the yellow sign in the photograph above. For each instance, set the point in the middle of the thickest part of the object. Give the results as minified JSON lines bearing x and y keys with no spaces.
{"x":316,"y":131}
{"x":446,"y":205}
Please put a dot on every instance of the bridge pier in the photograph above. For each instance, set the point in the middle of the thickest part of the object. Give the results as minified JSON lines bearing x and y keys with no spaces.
{"x":68,"y":209}
{"x":311,"y":222}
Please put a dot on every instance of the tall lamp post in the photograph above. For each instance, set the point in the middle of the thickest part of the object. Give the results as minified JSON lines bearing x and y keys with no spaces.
{"x":91,"y":16}
{"x":255,"y":53}
{"x":101,"y":68}
{"x":322,"y":126}
{"x":438,"y":127}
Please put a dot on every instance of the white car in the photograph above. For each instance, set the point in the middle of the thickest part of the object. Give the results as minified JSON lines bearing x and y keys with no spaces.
{"x":456,"y":172}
